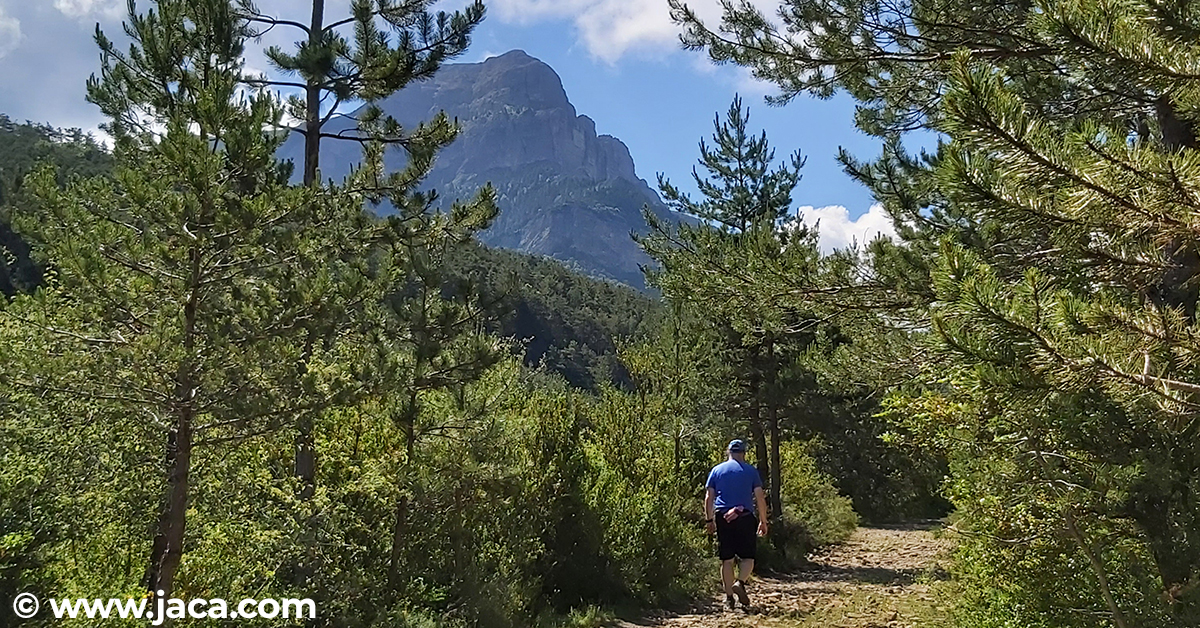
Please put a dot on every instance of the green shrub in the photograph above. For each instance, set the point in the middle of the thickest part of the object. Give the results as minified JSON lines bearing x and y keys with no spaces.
{"x":635,"y":493}
{"x":811,"y":500}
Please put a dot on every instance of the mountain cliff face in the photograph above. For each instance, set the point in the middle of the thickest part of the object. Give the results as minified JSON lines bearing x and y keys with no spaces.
{"x":565,"y":192}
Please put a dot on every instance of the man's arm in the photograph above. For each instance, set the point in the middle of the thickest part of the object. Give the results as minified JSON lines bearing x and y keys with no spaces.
{"x":710,"y":500}
{"x":760,"y":499}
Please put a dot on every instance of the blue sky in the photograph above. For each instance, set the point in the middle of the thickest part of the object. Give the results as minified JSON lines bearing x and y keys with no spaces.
{"x":619,"y":60}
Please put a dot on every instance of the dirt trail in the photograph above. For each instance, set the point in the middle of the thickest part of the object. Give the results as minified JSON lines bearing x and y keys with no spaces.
{"x":880,"y":578}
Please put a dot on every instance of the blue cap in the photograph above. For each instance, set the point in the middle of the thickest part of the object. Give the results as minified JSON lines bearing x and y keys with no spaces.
{"x":737,"y":446}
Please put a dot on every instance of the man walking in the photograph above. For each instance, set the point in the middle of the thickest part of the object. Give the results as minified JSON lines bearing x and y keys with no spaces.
{"x":736,"y":509}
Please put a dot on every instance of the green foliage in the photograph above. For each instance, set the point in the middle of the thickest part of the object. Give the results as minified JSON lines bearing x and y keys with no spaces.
{"x":890,"y":476}
{"x":207,"y":329}
{"x":170,"y":313}
{"x":638,"y":496}
{"x":744,"y":191}
{"x":770,"y":329}
{"x":527,"y":512}
{"x":567,"y":322}
{"x":811,"y":498}
{"x":739,"y":228}
{"x":393,"y":44}
{"x":22,"y":148}
{"x":1045,"y":246}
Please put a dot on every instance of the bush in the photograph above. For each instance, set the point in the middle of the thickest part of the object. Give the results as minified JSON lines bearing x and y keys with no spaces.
{"x":811,"y":500}
{"x":637,"y":495}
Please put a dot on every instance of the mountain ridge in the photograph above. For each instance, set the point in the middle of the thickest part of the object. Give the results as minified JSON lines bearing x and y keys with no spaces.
{"x":565,"y":191}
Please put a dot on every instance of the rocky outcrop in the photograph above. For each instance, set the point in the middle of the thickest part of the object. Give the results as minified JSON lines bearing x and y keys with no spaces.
{"x":565,"y":191}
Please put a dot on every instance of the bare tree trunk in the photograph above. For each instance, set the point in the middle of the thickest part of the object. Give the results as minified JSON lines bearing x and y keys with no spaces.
{"x":761,"y":453}
{"x":167,"y":549}
{"x":398,"y":531}
{"x":305,"y":464}
{"x":306,"y":456}
{"x":776,"y":492}
{"x":678,"y":386}
{"x":312,"y":122}
{"x":401,"y":517}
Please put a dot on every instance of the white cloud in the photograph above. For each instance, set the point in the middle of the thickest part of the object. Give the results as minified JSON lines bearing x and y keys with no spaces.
{"x":10,"y":33}
{"x":90,"y":8}
{"x":838,"y":231}
{"x":611,"y":28}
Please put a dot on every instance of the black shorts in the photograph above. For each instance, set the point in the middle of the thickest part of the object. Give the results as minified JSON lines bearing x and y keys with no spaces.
{"x":738,"y":537}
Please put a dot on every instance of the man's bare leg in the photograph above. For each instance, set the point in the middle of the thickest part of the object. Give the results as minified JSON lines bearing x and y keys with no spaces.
{"x":745,"y":569}
{"x":727,"y":576}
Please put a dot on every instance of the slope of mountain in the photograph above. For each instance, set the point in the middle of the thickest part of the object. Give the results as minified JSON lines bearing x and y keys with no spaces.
{"x":565,"y":192}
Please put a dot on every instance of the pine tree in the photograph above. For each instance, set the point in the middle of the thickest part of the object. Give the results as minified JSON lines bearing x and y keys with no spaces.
{"x":1048,"y":245}
{"x":427,"y":341}
{"x":184,"y":287}
{"x":896,"y":62}
{"x":434,"y":343}
{"x":706,"y":265}
{"x":746,"y":191}
{"x":335,"y":69}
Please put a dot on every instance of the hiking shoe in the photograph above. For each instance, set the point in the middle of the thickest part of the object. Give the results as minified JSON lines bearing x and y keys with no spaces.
{"x":739,"y":589}
{"x":729,"y":603}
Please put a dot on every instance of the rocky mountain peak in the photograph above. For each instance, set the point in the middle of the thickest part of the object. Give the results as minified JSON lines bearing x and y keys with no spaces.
{"x":514,"y":112}
{"x":564,"y":191}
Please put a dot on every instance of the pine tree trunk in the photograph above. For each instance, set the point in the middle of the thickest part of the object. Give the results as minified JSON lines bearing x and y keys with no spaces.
{"x":761,"y":453}
{"x":312,"y":123}
{"x":401,"y":515}
{"x":305,"y":471}
{"x":1175,"y":553}
{"x":677,"y":451}
{"x":306,"y":457}
{"x":776,"y":493}
{"x":305,"y":464}
{"x":398,"y":531}
{"x":1176,"y":288}
{"x":167,"y":549}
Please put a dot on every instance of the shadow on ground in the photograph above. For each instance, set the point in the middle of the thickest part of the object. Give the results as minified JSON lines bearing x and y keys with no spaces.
{"x":880,"y":577}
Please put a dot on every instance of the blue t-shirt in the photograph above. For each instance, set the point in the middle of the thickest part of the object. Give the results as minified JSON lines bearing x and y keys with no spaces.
{"x":734,"y":483}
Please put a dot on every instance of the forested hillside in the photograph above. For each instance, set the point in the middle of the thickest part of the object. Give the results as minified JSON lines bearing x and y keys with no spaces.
{"x":563,"y":320}
{"x":23,"y":146}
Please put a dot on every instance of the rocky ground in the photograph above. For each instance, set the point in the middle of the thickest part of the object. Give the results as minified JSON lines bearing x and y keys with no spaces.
{"x":880,"y":578}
